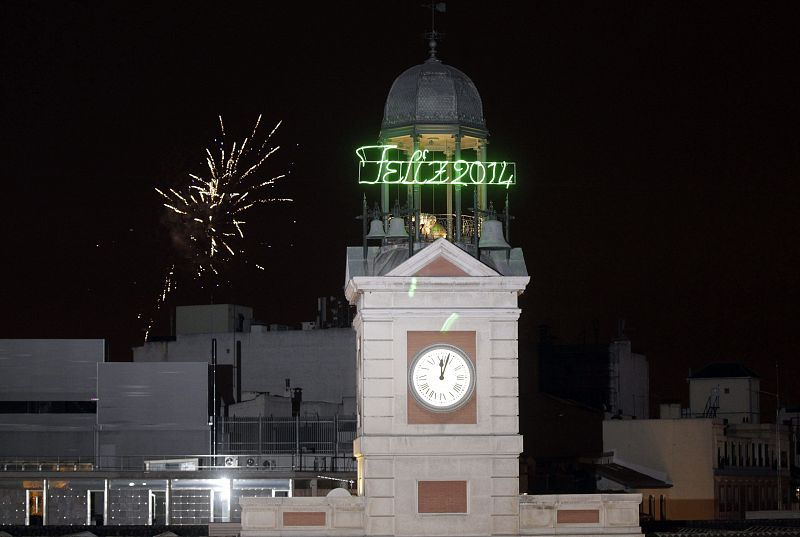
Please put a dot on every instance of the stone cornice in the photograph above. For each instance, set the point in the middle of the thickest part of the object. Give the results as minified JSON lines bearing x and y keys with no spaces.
{"x":389,"y":314}
{"x":434,"y":284}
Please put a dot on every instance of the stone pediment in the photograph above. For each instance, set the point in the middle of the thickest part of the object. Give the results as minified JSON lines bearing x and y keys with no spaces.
{"x":442,"y":258}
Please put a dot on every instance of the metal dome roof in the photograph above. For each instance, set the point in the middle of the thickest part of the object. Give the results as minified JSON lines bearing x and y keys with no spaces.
{"x":433,"y":93}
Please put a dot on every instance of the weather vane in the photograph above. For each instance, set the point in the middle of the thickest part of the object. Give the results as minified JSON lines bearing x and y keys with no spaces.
{"x":433,"y":35}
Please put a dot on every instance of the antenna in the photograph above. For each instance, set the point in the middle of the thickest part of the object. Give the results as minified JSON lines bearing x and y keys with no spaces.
{"x":433,"y":35}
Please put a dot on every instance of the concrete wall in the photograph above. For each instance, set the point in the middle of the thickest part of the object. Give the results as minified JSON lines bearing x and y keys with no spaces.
{"x":157,"y":407}
{"x":738,"y":398}
{"x":47,"y":435}
{"x":48,"y":370}
{"x":631,"y":373}
{"x":322,"y":362}
{"x":683,"y":449}
{"x":36,"y":369}
{"x":212,"y":318}
{"x":153,"y":408}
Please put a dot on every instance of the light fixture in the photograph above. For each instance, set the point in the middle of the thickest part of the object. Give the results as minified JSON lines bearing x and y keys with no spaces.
{"x":438,"y":231}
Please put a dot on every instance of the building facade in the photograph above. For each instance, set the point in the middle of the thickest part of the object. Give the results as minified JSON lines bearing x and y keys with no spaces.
{"x":85,"y":441}
{"x":720,"y":462}
{"x":260,"y":362}
{"x":725,"y":390}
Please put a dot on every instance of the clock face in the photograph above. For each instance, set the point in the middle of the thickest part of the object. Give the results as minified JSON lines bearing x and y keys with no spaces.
{"x":441,"y":377}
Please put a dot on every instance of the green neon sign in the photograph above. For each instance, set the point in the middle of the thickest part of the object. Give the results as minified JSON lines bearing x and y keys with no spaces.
{"x":376,"y":167}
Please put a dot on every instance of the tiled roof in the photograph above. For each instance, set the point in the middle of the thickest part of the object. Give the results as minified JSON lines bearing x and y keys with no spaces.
{"x":433,"y":93}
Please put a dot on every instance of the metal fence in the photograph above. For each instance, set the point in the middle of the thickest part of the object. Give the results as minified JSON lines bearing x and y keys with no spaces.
{"x":268,"y":435}
{"x":270,"y":444}
{"x":279,"y":463}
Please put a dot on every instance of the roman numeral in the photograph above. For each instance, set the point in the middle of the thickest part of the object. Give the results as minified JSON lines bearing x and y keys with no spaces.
{"x":460,"y":377}
{"x":457,"y":388}
{"x":459,"y":367}
{"x":424,"y":386}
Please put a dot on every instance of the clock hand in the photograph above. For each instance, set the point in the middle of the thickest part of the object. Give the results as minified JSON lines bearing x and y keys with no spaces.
{"x":443,"y":366}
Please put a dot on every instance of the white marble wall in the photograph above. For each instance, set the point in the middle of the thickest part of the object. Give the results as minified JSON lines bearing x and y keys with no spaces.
{"x":580,"y":514}
{"x":272,"y":517}
{"x":544,"y":516}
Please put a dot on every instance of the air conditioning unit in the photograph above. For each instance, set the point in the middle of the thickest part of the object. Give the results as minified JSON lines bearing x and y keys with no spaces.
{"x":264,"y":462}
{"x":231,"y":461}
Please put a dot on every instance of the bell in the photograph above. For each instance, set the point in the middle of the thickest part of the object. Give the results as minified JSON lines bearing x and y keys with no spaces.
{"x":376,"y":230}
{"x":397,"y":229}
{"x":492,"y":236}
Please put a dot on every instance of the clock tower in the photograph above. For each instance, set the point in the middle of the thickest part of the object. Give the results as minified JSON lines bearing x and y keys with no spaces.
{"x":436,"y":288}
{"x":436,"y":295}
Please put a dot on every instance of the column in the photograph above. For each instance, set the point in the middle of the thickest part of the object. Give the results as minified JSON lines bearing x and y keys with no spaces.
{"x":482,"y":188}
{"x":416,"y":194}
{"x":449,"y":156}
{"x":457,"y":156}
{"x":384,"y":189}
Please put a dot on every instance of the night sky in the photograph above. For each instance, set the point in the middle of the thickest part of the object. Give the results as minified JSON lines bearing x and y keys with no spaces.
{"x":656,"y":145}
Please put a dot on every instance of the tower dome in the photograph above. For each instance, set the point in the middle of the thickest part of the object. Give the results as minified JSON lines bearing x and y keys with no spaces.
{"x":433,"y":93}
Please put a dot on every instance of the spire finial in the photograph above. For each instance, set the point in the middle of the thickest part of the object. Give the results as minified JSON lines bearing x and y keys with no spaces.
{"x":432,"y":36}
{"x":432,"y":49}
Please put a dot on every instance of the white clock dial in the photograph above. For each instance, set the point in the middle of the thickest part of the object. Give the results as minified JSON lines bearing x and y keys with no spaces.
{"x":441,"y":377}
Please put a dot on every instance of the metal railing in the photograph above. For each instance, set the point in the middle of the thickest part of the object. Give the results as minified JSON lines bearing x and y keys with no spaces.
{"x":262,"y":443}
{"x":274,"y":463}
{"x":268,"y":435}
{"x":448,"y":223}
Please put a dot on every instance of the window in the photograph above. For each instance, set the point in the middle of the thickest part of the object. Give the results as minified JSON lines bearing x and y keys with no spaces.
{"x":48,"y":407}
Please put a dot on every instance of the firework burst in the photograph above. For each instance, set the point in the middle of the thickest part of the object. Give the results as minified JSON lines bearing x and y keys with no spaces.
{"x":208,"y":214}
{"x":167,"y":287}
{"x":211,"y":209}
